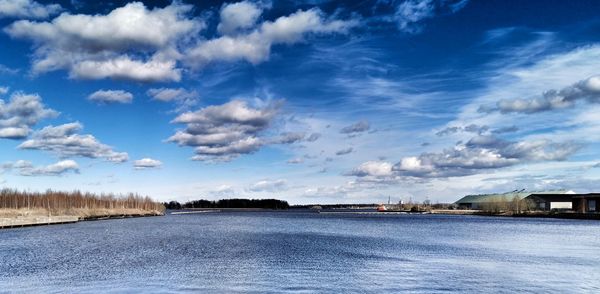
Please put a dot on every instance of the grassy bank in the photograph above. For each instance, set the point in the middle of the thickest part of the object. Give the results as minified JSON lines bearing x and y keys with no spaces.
{"x":29,"y":208}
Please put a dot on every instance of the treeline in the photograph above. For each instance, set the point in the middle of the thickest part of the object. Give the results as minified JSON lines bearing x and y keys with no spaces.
{"x":504,"y":205}
{"x":230,"y":203}
{"x":58,"y":201}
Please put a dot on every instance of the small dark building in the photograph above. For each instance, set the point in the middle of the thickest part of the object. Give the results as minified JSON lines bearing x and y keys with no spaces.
{"x":587,"y":203}
{"x":549,"y":202}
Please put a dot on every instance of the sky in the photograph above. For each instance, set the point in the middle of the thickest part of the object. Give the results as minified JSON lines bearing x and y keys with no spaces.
{"x":305,"y":101}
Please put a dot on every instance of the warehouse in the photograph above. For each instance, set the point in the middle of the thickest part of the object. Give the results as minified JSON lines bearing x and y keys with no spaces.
{"x":587,"y":203}
{"x":483,"y":201}
{"x":547,"y":202}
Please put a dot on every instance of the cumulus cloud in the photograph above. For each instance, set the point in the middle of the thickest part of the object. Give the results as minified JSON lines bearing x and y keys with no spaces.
{"x":184,"y":99}
{"x":269,"y":186}
{"x":344,"y":151}
{"x":27,"y":9}
{"x":64,"y":141}
{"x":224,"y":132}
{"x":255,"y":46}
{"x":134,"y":42}
{"x":111,"y":96}
{"x":374,"y":169}
{"x":117,"y":45}
{"x":358,"y":127}
{"x":585,"y":90}
{"x":238,"y":16}
{"x":4,"y":90}
{"x":55,"y":169}
{"x":22,"y":112}
{"x":125,"y":68}
{"x":26,"y":168}
{"x":408,"y":14}
{"x":481,"y":153}
{"x":147,"y":163}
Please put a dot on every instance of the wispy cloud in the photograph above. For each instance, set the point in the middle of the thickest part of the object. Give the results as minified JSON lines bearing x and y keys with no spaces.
{"x":27,"y":9}
{"x":26,"y":168}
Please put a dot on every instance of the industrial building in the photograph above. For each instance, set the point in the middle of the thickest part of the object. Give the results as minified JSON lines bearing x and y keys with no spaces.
{"x":547,"y":202}
{"x":482,"y":201}
{"x":561,"y":200}
{"x":586,"y":203}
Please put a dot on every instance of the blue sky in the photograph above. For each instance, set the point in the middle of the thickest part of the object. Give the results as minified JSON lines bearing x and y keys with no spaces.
{"x":306,"y":101}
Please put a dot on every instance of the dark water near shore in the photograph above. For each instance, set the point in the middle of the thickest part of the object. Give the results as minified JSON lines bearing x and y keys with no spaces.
{"x":304,"y":253}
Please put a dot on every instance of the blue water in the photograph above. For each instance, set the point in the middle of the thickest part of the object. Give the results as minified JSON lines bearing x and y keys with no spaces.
{"x":277,"y":252}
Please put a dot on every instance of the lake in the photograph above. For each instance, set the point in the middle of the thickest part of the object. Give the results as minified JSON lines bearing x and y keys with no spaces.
{"x":304,"y":252}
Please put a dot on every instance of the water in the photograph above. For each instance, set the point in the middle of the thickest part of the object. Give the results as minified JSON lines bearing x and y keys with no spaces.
{"x":304,"y":253}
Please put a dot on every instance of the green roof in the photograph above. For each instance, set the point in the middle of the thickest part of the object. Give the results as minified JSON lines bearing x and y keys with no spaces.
{"x":483,"y":198}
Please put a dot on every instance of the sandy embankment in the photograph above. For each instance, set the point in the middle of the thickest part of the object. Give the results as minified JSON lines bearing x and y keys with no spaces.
{"x":31,"y":217}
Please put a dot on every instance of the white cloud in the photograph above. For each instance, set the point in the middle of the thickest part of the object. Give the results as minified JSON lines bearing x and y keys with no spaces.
{"x":111,"y":96}
{"x":255,"y":46}
{"x":64,"y":141}
{"x":124,"y":68}
{"x":410,"y":13}
{"x":184,"y":99}
{"x":21,"y":113}
{"x":224,"y":132}
{"x":4,"y":90}
{"x":115,"y":45}
{"x":120,"y":45}
{"x":238,"y":16}
{"x":269,"y":186}
{"x":27,"y":9}
{"x":147,"y":163}
{"x":55,"y":169}
{"x":26,"y":168}
{"x":373,"y":168}
{"x":413,"y":11}
{"x":481,"y":154}
{"x":587,"y":90}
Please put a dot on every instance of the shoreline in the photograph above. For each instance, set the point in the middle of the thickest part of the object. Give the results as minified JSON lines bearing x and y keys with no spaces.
{"x":556,"y":215}
{"x":42,"y":220}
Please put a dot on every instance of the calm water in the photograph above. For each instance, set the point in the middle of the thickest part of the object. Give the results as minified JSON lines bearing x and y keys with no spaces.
{"x":304,"y":253}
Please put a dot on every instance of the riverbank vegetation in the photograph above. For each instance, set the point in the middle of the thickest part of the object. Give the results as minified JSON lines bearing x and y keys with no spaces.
{"x":15,"y":203}
{"x":230,"y":203}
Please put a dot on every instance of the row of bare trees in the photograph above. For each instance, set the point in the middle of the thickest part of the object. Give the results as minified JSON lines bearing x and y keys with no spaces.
{"x":515,"y":205}
{"x":57,"y":200}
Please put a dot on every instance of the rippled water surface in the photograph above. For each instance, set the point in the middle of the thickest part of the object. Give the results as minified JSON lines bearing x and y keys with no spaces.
{"x":304,"y":253}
